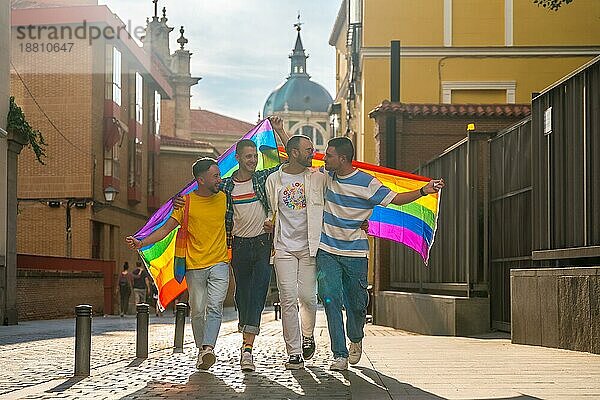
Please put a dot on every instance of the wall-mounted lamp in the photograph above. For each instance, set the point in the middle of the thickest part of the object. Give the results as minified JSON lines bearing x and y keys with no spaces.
{"x":110,"y":193}
{"x":109,"y":196}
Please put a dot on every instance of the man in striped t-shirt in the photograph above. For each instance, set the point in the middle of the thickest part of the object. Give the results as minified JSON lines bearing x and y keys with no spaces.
{"x":342,"y":262}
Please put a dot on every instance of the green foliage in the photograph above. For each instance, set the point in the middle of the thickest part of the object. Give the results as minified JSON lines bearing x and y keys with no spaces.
{"x":553,"y":5}
{"x":18,"y":125}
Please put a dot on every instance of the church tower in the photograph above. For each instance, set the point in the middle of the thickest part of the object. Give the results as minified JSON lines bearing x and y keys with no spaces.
{"x":300,"y":102}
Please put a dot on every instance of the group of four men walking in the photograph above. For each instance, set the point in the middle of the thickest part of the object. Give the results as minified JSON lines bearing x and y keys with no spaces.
{"x":314,"y":220}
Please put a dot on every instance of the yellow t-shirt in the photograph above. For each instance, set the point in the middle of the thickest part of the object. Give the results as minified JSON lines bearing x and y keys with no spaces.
{"x":207,"y":243}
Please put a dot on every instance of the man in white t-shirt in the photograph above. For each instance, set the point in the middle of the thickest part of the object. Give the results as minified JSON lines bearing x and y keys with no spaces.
{"x":342,"y":262}
{"x":295,"y":195}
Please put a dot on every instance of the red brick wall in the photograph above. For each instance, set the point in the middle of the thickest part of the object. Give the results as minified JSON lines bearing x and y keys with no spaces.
{"x":44,"y":294}
{"x":420,"y":139}
{"x":51,"y":287}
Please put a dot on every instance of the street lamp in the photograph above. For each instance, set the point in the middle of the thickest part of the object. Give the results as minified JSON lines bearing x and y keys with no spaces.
{"x":109,"y":196}
{"x":110,"y":193}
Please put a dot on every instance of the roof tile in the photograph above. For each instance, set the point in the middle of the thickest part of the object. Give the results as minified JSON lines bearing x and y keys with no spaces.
{"x":454,"y":110}
{"x":204,"y":121}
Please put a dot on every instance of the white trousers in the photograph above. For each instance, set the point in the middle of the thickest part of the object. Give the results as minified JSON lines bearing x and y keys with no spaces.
{"x":296,"y":280}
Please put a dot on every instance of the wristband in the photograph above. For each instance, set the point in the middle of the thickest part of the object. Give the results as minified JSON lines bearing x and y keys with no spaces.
{"x":422,"y":192}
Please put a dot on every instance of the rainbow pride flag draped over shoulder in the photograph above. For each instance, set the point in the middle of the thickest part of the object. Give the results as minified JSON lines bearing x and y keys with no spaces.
{"x":412,"y":224}
{"x":158,"y":257}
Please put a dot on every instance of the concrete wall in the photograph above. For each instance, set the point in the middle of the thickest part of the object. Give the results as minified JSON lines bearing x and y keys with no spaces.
{"x":556,"y":307}
{"x":432,"y":314}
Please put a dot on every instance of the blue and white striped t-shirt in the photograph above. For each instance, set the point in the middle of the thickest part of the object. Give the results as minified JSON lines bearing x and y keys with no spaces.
{"x":349,"y":200}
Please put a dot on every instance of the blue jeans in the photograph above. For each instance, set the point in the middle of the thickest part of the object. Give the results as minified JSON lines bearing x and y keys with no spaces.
{"x":207,"y":288}
{"x":343,"y":281}
{"x":252,"y":272}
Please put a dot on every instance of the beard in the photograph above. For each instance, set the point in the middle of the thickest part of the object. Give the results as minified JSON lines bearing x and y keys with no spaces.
{"x":305,"y":162}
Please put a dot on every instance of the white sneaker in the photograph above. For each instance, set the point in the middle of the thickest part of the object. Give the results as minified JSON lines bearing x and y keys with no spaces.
{"x":247,"y":361}
{"x":206,"y":358}
{"x":339,"y":364}
{"x":355,"y":352}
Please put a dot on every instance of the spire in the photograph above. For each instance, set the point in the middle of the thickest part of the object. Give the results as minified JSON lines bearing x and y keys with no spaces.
{"x":182,"y":40}
{"x":298,"y":56}
{"x":155,"y":17}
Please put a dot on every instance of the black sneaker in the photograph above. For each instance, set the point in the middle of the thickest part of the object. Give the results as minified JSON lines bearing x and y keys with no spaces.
{"x":295,"y":362}
{"x":308,"y":347}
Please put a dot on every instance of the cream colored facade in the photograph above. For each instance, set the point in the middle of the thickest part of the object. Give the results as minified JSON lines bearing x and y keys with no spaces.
{"x":454,"y":51}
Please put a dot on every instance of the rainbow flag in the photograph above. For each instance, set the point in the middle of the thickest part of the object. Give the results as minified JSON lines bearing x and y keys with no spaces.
{"x":158,"y":257}
{"x":412,"y":224}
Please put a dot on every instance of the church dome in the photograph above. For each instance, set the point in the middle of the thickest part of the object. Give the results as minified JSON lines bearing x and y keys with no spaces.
{"x":298,"y":92}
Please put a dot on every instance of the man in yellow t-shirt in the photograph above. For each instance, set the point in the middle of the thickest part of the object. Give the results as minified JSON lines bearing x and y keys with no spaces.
{"x":207,"y":265}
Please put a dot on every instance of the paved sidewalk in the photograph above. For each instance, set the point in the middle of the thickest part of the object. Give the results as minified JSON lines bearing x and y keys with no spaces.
{"x":395,"y":365}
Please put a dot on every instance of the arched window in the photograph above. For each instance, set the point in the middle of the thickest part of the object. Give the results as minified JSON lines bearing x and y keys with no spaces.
{"x":314,"y":135}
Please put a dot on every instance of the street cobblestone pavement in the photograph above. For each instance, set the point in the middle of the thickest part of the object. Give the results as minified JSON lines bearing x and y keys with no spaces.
{"x":42,"y":369}
{"x":36,"y":362}
{"x":34,"y":357}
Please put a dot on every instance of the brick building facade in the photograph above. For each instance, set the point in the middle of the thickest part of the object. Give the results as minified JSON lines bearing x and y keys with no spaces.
{"x":116,"y":118}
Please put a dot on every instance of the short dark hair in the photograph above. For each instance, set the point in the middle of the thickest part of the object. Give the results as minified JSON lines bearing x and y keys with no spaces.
{"x":202,"y":165}
{"x":343,"y":146}
{"x":243,"y":143}
{"x":294,"y":143}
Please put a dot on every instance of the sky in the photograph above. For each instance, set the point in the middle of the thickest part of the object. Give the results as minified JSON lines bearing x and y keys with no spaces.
{"x":240,"y":47}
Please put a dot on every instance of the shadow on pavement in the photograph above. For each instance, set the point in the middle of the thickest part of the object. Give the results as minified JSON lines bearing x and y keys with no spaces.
{"x":66,"y":385}
{"x":396,"y":389}
{"x":208,"y":386}
{"x":136,"y":362}
{"x":309,"y":383}
{"x":370,"y":384}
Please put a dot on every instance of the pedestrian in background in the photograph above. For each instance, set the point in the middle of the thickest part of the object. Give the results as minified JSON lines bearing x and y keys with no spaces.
{"x":141,"y":283}
{"x":125,"y":287}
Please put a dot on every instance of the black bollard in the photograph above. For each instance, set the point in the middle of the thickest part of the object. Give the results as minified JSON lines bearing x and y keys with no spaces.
{"x":83,"y":339}
{"x":179,"y":327}
{"x":277,"y":308}
{"x":141,"y":348}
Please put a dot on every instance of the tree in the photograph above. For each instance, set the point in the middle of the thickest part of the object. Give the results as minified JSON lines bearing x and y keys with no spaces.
{"x":553,"y":5}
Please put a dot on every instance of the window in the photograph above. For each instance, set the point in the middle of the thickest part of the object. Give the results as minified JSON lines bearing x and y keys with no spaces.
{"x":313,"y":133}
{"x":139,"y":87}
{"x":111,"y":161}
{"x":116,"y":76}
{"x":157,"y":99}
{"x":135,"y":162}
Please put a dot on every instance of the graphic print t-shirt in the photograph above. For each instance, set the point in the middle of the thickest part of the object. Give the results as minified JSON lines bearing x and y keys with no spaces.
{"x":293,"y":223}
{"x":248,"y":213}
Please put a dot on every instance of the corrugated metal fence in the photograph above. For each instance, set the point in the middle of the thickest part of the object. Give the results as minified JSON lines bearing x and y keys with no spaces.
{"x":528,"y":196}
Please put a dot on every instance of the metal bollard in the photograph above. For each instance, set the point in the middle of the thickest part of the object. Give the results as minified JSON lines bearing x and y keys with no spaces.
{"x":277,"y":307}
{"x":141,"y":348}
{"x":179,"y":327}
{"x":83,"y":339}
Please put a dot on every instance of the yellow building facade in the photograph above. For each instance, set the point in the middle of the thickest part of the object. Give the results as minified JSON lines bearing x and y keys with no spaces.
{"x":453,"y":51}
